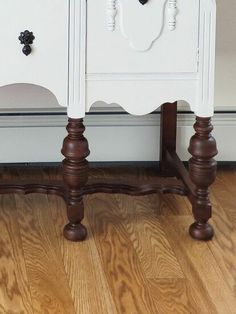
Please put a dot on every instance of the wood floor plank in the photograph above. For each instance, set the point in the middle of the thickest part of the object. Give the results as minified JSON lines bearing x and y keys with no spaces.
{"x":173,"y":296}
{"x":174,"y":205}
{"x":148,"y":238}
{"x":87,"y":280}
{"x":120,"y":262}
{"x":48,"y":282}
{"x":138,"y":257}
{"x":199,"y":266}
{"x":223,"y":247}
{"x":226,"y":176}
{"x":225,"y":190}
{"x":15,"y":295}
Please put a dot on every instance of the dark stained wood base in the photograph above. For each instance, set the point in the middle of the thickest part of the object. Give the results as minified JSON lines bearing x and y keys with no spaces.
{"x":128,"y":187}
{"x":202,"y":172}
{"x":76,"y":182}
{"x":75,"y":176}
{"x":168,"y":136}
{"x":75,"y":232}
{"x":201,"y":231}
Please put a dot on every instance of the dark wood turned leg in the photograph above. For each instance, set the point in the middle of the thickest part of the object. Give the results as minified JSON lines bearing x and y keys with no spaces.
{"x":202,"y":170}
{"x":167,"y":135}
{"x":75,"y":175}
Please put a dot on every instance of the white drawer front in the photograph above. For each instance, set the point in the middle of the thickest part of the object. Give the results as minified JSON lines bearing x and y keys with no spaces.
{"x":47,"y":65}
{"x":125,"y":36}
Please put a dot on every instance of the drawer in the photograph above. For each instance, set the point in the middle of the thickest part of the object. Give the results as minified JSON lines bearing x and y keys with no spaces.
{"x":47,"y":64}
{"x":125,"y":36}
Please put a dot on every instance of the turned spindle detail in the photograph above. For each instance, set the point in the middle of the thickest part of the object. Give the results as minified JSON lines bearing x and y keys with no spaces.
{"x":75,"y":175}
{"x":172,"y":12}
{"x":111,"y":15}
{"x":202,"y":169}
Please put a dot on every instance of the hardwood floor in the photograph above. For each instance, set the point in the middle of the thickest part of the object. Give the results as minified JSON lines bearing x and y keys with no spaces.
{"x":138,"y":257}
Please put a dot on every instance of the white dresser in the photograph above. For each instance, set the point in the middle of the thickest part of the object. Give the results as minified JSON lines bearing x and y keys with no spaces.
{"x":139,"y":54}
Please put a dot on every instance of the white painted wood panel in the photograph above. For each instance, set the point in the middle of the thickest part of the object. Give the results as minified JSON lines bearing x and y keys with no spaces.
{"x":47,"y":65}
{"x":140,"y":95}
{"x":225,"y":92}
{"x":140,"y":78}
{"x":142,"y":40}
{"x":138,"y":56}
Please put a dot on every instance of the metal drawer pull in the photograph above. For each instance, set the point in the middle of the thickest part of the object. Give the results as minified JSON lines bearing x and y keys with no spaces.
{"x":26,"y":38}
{"x":143,"y":1}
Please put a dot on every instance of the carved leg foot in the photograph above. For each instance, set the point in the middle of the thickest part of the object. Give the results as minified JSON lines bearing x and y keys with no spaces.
{"x":74,"y":232}
{"x":202,"y":170}
{"x":75,"y":175}
{"x":201,"y":231}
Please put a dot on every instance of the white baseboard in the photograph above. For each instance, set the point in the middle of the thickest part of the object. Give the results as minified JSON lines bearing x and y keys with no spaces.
{"x":112,"y":137}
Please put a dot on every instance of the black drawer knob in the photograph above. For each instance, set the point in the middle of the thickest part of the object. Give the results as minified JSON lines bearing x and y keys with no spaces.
{"x":143,"y":1}
{"x":26,"y":38}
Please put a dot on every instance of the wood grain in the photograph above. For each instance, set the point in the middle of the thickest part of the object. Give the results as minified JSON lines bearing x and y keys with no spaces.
{"x":42,"y":257}
{"x":44,"y":265}
{"x":15,"y":294}
{"x":224,"y":246}
{"x":200,"y":266}
{"x":224,"y":190}
{"x":123,"y":270}
{"x":173,"y":296}
{"x":138,"y":257}
{"x":148,"y":238}
{"x":87,"y":281}
{"x":175,"y":205}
